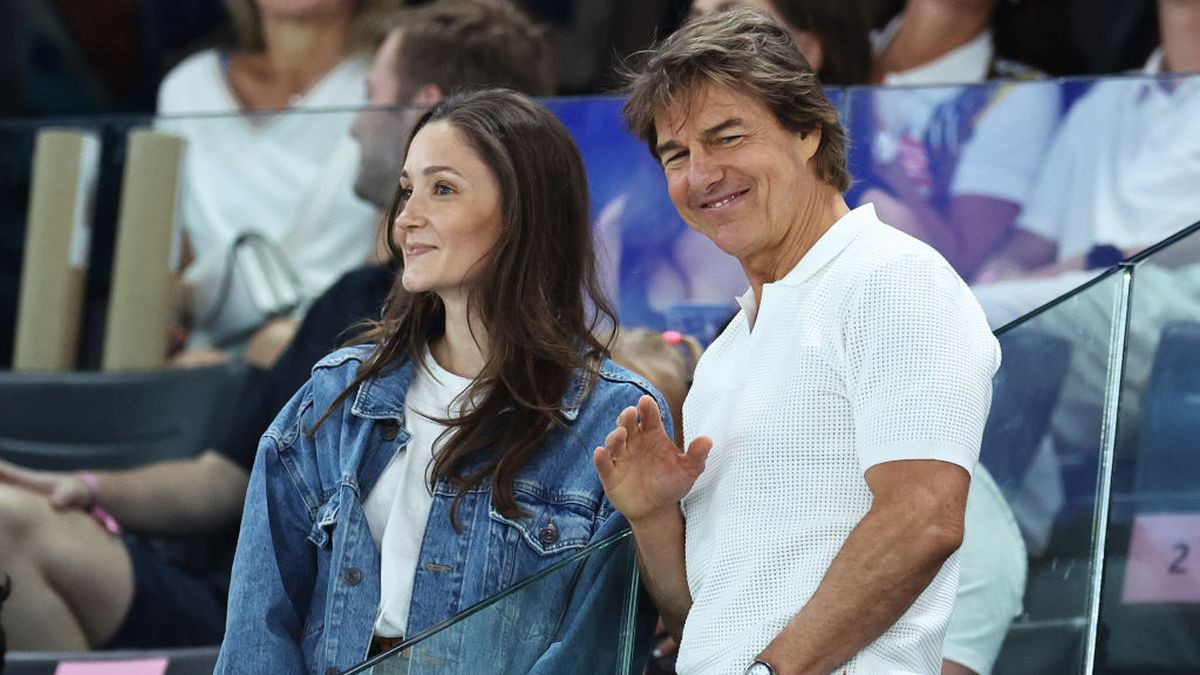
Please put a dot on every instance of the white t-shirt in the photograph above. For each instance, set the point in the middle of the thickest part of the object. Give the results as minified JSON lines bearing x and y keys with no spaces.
{"x":1008,"y":135}
{"x":871,"y":349}
{"x":286,"y":176}
{"x":1123,"y":169}
{"x":398,"y":506}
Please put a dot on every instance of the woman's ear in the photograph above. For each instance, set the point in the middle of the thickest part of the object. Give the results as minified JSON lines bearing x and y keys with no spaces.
{"x":428,"y":95}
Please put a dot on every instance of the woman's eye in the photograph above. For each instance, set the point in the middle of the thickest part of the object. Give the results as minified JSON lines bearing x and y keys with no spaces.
{"x":405,"y":193}
{"x":441,"y":189}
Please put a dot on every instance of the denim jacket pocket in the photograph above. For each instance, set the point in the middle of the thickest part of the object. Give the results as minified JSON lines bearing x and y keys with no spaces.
{"x":554,"y":525}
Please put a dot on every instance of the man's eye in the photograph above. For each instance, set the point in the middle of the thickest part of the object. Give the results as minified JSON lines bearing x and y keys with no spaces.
{"x":730,"y":140}
{"x":674,"y":159}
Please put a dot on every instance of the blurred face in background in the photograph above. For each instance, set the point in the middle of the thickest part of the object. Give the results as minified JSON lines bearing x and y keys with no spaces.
{"x":806,"y":41}
{"x":306,"y":9}
{"x":382,"y":129}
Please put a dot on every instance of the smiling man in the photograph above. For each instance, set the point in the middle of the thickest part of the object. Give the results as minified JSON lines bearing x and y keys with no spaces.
{"x":833,"y":427}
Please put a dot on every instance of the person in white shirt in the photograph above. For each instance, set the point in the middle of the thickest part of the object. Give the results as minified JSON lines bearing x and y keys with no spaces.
{"x":832,"y":428}
{"x":1100,"y":202}
{"x":268,"y":168}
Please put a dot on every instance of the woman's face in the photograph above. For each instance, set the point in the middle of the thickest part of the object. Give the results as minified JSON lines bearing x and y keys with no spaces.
{"x":451,"y":218}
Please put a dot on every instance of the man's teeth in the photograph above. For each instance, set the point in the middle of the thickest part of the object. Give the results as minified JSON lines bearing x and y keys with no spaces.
{"x":723,"y":202}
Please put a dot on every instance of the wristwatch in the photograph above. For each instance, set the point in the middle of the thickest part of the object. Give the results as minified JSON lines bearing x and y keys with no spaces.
{"x":760,"y":667}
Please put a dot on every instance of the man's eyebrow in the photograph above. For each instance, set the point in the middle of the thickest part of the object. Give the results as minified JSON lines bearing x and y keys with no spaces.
{"x":666,"y":146}
{"x":723,"y":126}
{"x":714,"y":130}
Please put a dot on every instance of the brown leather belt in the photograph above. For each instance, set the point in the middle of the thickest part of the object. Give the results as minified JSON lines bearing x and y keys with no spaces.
{"x":381,"y":644}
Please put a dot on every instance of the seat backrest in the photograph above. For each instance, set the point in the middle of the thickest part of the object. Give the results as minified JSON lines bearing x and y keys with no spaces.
{"x":1024,"y":394}
{"x":1168,"y":457}
{"x":183,"y":661}
{"x":114,"y":420}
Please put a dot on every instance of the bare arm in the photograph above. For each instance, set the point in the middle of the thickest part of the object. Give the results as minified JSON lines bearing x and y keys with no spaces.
{"x":1023,"y":251}
{"x":972,"y":228}
{"x":915,"y":523}
{"x":184,"y":496}
{"x":645,"y":475}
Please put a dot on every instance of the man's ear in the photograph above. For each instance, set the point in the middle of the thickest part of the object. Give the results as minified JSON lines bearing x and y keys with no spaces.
{"x":428,"y":94}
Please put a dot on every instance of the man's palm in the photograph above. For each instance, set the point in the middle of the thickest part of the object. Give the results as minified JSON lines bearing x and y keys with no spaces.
{"x":642,"y":471}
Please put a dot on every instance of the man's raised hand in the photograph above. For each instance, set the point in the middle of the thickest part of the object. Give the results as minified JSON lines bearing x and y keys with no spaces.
{"x":642,"y":471}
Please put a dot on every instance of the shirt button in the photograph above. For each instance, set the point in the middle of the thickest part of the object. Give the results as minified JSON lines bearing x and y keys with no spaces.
{"x":549,"y":534}
{"x":352,"y":576}
{"x":332,"y":670}
{"x":391,"y":429}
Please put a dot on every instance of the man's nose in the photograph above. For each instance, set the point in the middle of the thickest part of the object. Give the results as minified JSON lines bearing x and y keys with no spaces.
{"x":703,"y":171}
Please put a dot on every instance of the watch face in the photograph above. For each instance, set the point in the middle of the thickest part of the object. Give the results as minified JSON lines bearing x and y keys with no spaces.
{"x":760,"y":668}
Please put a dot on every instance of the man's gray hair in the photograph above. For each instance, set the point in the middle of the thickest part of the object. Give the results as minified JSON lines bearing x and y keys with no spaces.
{"x":741,"y":49}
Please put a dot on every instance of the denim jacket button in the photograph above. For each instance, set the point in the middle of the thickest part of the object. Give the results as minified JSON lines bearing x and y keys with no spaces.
{"x":549,"y":534}
{"x":352,"y":576}
{"x":391,"y":429}
{"x":332,"y":670}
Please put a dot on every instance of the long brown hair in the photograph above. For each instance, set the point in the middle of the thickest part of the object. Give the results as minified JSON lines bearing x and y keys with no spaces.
{"x":539,"y":296}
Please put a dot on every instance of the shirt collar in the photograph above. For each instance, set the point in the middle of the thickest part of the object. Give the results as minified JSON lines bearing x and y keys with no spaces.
{"x":967,"y":63}
{"x":382,"y":397}
{"x":835,"y":240}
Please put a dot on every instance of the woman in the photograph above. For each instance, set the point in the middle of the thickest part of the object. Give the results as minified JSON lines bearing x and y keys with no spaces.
{"x":832,"y":35}
{"x":450,"y":458}
{"x":267,"y":202}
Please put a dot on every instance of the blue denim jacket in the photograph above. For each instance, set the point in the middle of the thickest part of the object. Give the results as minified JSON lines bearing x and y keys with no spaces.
{"x":305,"y":587}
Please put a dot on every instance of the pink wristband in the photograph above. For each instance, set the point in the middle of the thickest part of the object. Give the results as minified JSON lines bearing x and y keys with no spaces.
{"x":104,"y":518}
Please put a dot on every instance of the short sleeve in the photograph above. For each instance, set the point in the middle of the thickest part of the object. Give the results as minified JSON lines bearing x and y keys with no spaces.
{"x":919,"y":360}
{"x":1002,"y":158}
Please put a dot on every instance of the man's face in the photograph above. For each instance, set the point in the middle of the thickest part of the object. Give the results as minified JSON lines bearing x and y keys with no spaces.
{"x":733,"y":172}
{"x":380,"y":132}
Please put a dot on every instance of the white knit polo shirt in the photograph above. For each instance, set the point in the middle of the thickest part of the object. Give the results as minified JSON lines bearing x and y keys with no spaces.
{"x":871,"y":349}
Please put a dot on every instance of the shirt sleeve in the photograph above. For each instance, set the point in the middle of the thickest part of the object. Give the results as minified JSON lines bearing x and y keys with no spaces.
{"x":919,"y":359}
{"x":1002,"y":158}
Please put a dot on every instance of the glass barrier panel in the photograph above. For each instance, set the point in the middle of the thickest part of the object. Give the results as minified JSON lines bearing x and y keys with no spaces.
{"x":1150,"y":607}
{"x":1035,"y":511}
{"x":581,"y":615}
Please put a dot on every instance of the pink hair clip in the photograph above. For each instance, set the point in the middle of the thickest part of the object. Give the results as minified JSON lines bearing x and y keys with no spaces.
{"x":672,"y":337}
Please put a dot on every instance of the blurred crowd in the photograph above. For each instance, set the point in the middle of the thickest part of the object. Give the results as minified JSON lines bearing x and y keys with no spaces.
{"x":1005,"y":182}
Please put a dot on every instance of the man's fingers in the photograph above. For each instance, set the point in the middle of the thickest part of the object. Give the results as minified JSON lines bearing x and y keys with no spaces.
{"x":649,"y":413}
{"x":603,"y":462}
{"x":628,"y":421}
{"x":614,"y":442}
{"x":697,"y":453}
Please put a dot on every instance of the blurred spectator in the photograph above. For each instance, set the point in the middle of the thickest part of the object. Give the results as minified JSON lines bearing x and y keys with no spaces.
{"x":123,"y":594}
{"x":832,"y":34}
{"x":939,"y":42}
{"x":1120,"y":176}
{"x":266,"y":204}
{"x":949,"y":165}
{"x":72,"y":57}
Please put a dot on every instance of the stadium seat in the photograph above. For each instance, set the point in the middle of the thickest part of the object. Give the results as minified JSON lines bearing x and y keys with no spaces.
{"x":114,"y":420}
{"x":190,"y":661}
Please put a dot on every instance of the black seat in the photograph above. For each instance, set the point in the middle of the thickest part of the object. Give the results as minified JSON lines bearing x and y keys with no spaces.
{"x":114,"y":420}
{"x":189,"y":661}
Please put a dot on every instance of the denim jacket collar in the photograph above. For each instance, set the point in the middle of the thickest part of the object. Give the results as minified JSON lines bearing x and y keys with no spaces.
{"x":382,"y":397}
